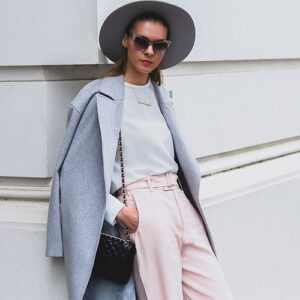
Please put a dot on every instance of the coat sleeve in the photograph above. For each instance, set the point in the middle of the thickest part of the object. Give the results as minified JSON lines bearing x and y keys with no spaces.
{"x":54,"y":243}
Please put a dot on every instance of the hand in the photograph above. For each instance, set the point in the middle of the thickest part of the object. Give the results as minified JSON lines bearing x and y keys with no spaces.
{"x":129,"y":217}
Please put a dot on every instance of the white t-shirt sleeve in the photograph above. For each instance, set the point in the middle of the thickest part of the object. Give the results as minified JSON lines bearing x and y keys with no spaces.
{"x":113,"y":206}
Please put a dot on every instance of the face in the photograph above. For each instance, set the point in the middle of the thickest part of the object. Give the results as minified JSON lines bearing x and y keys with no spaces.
{"x":141,"y":62}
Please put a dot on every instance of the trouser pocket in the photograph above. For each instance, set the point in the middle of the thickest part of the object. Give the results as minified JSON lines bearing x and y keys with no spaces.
{"x":130,"y":203}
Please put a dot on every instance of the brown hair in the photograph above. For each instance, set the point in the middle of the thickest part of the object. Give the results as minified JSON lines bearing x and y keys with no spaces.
{"x":119,"y":67}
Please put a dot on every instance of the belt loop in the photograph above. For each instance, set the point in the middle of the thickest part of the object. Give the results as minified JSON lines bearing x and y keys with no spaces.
{"x":149,"y":184}
{"x":168,"y":179}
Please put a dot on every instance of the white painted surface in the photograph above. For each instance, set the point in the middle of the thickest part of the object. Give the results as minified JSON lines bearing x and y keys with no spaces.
{"x":32,"y":124}
{"x":254,"y":213}
{"x":53,"y":32}
{"x":59,"y":94}
{"x":26,"y":273}
{"x":258,"y":239}
{"x":223,"y":112}
{"x":22,"y":129}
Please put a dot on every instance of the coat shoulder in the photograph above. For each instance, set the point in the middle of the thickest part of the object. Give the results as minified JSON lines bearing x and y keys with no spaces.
{"x":165,"y":93}
{"x":86,"y":93}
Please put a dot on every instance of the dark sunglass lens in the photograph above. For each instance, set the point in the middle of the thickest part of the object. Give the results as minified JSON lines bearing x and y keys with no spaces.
{"x":160,"y":46}
{"x":141,"y":43}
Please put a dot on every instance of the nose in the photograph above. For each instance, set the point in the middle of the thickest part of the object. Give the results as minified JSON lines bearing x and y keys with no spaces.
{"x":149,"y":50}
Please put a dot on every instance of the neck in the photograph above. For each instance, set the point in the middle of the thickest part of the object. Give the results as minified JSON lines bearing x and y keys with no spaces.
{"x":138,"y":79}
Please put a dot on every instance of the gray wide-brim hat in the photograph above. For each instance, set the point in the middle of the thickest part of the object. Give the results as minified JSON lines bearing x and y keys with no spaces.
{"x":181,"y":30}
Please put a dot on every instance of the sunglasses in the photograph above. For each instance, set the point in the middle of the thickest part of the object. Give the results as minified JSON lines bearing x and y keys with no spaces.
{"x":142,"y":43}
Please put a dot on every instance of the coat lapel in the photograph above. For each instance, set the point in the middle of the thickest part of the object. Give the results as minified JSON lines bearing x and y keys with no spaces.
{"x":186,"y":162}
{"x":110,"y":103}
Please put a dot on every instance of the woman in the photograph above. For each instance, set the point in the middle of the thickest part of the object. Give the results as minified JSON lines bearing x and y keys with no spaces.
{"x":175,"y":256}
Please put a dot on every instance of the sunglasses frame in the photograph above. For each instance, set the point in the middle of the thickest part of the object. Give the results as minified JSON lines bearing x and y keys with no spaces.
{"x":134,"y":36}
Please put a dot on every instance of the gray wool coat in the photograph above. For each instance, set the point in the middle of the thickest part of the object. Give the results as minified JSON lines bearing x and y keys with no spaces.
{"x":82,"y":179}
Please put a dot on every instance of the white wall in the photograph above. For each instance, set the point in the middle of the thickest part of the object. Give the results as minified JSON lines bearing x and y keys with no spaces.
{"x":53,"y":32}
{"x":237,"y":101}
{"x":236,"y":109}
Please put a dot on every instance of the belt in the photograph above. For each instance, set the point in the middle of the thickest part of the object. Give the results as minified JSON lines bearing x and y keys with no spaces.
{"x":165,"y":181}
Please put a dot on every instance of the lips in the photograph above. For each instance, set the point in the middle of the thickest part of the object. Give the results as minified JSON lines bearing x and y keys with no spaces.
{"x":146,"y":62}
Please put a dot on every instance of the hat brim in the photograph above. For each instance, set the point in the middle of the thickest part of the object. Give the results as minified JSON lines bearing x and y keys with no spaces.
{"x":181,"y":25}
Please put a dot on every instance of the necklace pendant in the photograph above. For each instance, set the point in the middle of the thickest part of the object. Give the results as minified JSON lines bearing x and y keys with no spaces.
{"x":147,"y":103}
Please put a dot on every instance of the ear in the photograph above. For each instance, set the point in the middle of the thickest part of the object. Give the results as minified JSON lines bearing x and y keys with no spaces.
{"x":125,"y":41}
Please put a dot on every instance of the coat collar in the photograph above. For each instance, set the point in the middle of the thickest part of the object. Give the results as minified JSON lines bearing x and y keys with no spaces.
{"x":113,"y":87}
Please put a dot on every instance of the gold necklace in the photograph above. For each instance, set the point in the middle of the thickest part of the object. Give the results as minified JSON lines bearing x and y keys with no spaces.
{"x":148,"y":103}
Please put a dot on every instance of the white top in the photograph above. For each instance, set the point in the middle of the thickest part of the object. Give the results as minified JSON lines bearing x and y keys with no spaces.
{"x":147,"y":143}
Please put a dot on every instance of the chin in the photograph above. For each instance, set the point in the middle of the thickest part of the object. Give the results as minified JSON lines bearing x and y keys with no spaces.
{"x":145,"y":71}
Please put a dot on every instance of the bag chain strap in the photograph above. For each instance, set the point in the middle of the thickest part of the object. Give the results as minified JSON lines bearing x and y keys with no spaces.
{"x":123,"y":179}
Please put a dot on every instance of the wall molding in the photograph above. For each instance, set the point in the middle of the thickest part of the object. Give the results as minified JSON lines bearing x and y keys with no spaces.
{"x":225,"y":186}
{"x":90,"y":72}
{"x":29,"y":189}
{"x":21,"y":214}
{"x":222,"y":162}
{"x":259,"y":156}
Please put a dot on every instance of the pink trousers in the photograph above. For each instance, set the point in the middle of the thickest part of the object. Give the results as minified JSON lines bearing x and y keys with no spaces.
{"x":174,"y":260}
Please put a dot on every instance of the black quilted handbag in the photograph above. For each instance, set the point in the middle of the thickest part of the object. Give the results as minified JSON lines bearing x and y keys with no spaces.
{"x":114,"y":257}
